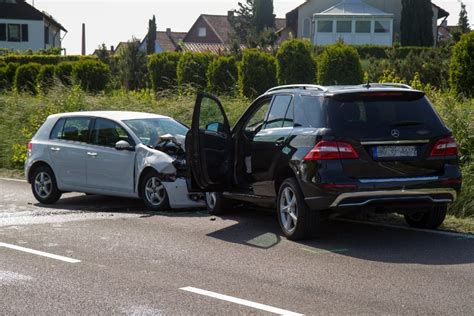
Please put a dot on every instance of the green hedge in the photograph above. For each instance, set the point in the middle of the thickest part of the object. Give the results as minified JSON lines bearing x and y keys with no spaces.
{"x":380,"y":52}
{"x":461,"y":72}
{"x":339,"y":64}
{"x":295,"y":62}
{"x":222,"y":75}
{"x":42,"y":59}
{"x":25,"y":77}
{"x":162,"y":69}
{"x":91,"y":75}
{"x":4,"y":83}
{"x":192,"y":70}
{"x":45,"y":79}
{"x":63,"y":72}
{"x":257,"y":73}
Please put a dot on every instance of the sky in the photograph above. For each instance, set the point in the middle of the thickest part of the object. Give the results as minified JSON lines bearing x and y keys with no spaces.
{"x":112,"y":21}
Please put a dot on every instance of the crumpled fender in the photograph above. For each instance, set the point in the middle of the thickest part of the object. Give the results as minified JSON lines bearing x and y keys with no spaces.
{"x":161,"y":162}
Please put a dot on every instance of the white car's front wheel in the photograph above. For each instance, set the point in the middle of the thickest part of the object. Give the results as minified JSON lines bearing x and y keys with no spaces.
{"x":154,"y":193}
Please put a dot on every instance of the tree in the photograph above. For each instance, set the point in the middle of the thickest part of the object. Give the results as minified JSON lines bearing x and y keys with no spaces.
{"x":263,"y":15}
{"x":151,"y":36}
{"x":132,"y":64}
{"x":295,"y":62}
{"x":417,"y":23}
{"x":103,"y":54}
{"x":339,"y":64}
{"x":462,"y":66}
{"x":463,"y":23}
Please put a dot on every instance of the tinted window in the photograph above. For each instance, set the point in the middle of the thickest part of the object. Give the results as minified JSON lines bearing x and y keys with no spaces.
{"x":382,"y":27}
{"x":255,"y":123}
{"x":344,"y":26}
{"x":277,"y":114}
{"x":363,"y":26}
{"x":371,"y":118}
{"x":3,"y":32}
{"x":211,"y":117}
{"x":57,"y":131}
{"x":289,"y":118}
{"x":325,"y":26}
{"x":308,"y":112}
{"x":107,"y":133}
{"x":76,"y":129}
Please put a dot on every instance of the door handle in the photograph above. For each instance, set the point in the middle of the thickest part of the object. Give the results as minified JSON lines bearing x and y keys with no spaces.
{"x":92,"y":154}
{"x":55,"y":148}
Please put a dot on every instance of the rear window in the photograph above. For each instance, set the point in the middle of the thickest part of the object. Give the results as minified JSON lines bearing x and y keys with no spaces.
{"x":375,"y":117}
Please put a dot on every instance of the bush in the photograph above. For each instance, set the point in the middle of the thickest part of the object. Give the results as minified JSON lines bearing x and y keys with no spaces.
{"x":25,"y":77}
{"x":43,"y":59}
{"x":295,"y":63}
{"x":222,"y":75}
{"x":339,"y":64}
{"x":4,"y":84}
{"x":192,"y":70}
{"x":45,"y":79}
{"x":257,"y":73}
{"x":162,"y":70}
{"x":91,"y":75}
{"x":63,"y":72}
{"x":461,"y":73}
{"x":11,"y":72}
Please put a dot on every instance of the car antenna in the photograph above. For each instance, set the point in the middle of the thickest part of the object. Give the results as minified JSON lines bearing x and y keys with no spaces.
{"x":368,"y":86}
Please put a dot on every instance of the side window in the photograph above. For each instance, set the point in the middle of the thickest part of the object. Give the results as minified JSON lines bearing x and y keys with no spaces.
{"x":289,"y":118}
{"x":277,"y":114}
{"x":255,"y":123}
{"x":57,"y":131}
{"x":308,"y":112}
{"x":76,"y":129}
{"x":211,"y":118}
{"x":107,"y":133}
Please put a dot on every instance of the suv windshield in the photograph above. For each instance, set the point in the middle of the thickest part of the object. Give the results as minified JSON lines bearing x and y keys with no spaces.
{"x":150,"y":130}
{"x":375,"y":117}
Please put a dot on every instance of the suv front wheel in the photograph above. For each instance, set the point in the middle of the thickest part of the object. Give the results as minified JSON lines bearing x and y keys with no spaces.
{"x":428,"y":220}
{"x":296,"y":220}
{"x":154,"y":193}
{"x":217,"y":204}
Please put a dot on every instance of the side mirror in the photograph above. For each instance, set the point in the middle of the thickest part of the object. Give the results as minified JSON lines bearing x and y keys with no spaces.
{"x":214,"y":127}
{"x":123,"y":145}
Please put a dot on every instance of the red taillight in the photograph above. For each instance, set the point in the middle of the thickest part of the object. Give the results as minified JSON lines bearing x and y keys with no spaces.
{"x":328,"y":150}
{"x":445,"y":147}
{"x":30,"y":147}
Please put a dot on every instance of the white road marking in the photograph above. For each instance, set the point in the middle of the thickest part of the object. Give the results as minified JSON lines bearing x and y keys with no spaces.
{"x":14,"y":180}
{"x":39,"y":253}
{"x":438,"y":232}
{"x":240,"y":301}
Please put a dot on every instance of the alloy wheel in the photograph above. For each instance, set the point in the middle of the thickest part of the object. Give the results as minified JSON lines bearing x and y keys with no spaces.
{"x":43,"y":185}
{"x":288,"y":209}
{"x":211,"y":199}
{"x":155,"y":191}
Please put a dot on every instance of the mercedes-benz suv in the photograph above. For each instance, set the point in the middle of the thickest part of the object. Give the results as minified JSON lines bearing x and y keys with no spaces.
{"x":308,"y":150}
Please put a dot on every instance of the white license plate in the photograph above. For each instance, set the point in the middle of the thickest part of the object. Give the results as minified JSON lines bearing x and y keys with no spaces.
{"x":395,"y":151}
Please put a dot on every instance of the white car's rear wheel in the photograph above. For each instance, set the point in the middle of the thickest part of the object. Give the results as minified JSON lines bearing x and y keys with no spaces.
{"x":44,"y":187}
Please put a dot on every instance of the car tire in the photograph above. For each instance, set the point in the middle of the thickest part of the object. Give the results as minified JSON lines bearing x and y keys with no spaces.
{"x":428,"y":220}
{"x":217,"y":204}
{"x":44,"y":186}
{"x":292,"y":207}
{"x":154,"y":193}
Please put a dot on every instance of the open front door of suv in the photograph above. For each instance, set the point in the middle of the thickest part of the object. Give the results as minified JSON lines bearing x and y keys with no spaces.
{"x":209,"y":147}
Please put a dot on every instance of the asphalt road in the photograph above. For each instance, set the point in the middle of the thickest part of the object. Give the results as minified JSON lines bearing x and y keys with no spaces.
{"x":133,"y":262}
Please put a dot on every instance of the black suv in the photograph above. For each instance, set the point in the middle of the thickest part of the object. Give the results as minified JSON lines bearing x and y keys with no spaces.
{"x":311,"y":150}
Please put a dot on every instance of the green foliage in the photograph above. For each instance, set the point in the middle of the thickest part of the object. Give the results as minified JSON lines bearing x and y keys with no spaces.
{"x":192,"y":70}
{"x":132,"y":66}
{"x":295,"y":63}
{"x":263,"y":15}
{"x":11,"y":72}
{"x":416,"y":24}
{"x":103,"y":54}
{"x":63,"y":72}
{"x":25,"y":78}
{"x":45,"y":79}
{"x":257,"y":73}
{"x":339,"y":64}
{"x":162,"y":69}
{"x":4,"y":84}
{"x":42,"y":59}
{"x":151,"y":36}
{"x":461,"y":72}
{"x":463,"y":23}
{"x":222,"y":75}
{"x":91,"y":75}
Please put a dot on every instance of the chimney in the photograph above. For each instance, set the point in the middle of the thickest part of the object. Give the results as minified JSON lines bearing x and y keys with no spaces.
{"x":112,"y":49}
{"x":230,"y":14}
{"x":83,"y":39}
{"x":168,"y":31}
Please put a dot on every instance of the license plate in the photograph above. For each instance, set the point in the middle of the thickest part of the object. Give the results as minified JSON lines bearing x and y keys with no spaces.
{"x":395,"y":151}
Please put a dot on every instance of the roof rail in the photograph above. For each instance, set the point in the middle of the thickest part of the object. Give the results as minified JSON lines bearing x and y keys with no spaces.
{"x":392,"y":84}
{"x":298,"y":86}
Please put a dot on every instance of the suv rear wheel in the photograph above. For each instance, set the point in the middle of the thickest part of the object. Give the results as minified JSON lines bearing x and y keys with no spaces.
{"x":296,"y":220}
{"x":217,"y":204}
{"x":44,"y":186}
{"x":429,"y":220}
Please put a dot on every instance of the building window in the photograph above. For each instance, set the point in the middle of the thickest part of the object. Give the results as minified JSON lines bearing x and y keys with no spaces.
{"x":306,"y":28}
{"x":3,"y":32}
{"x":325,"y":26}
{"x":202,"y":32}
{"x":24,"y":32}
{"x":46,"y":34}
{"x":382,"y":26}
{"x":363,"y":26}
{"x":14,"y":32}
{"x":344,"y":26}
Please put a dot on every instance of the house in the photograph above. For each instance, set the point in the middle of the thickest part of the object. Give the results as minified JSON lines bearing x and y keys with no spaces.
{"x":167,"y":41}
{"x":24,"y":27}
{"x":122,"y":45}
{"x":355,"y":21}
{"x":211,"y":33}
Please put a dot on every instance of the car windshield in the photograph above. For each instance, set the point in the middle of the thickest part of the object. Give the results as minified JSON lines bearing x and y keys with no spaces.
{"x":150,"y":130}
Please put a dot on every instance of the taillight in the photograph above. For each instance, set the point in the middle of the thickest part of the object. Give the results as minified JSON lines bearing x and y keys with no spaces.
{"x":329,"y":150}
{"x":30,"y":147}
{"x":445,"y":147}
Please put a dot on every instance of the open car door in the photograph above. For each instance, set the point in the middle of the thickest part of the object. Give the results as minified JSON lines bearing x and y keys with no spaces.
{"x":209,"y":149}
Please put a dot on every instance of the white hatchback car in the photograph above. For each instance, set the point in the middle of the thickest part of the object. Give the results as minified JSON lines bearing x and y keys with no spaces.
{"x":126,"y":154}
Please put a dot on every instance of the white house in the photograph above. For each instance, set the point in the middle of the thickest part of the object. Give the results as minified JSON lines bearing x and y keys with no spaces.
{"x":24,"y":27}
{"x":356,"y":21}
